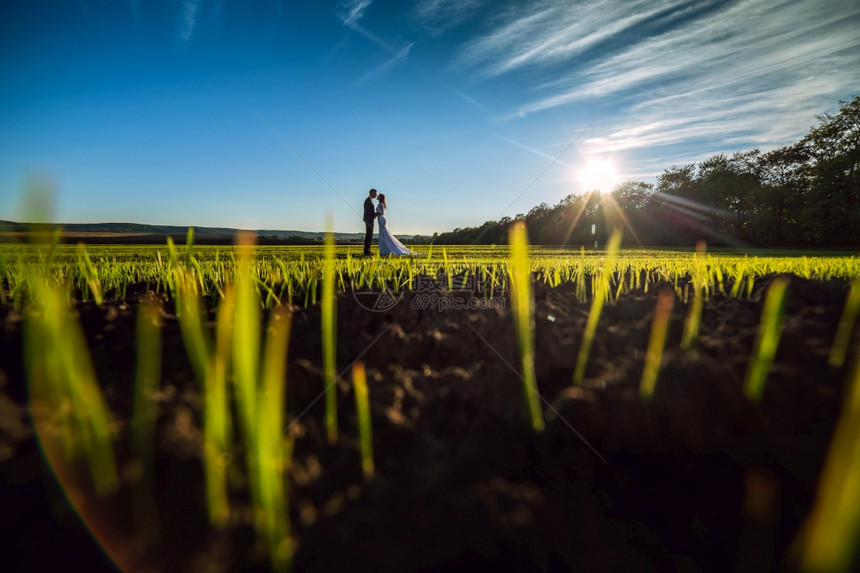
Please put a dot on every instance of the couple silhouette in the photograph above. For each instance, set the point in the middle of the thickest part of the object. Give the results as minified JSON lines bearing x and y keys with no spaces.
{"x":388,"y":243}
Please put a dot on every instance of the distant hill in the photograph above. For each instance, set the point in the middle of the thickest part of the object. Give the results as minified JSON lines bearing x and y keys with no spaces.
{"x":144,"y":234}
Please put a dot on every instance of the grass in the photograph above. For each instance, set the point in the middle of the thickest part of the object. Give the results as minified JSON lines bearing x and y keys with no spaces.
{"x":328,"y":316}
{"x":767,"y":339}
{"x":258,"y":366}
{"x":831,"y":535}
{"x":601,"y":288}
{"x":217,"y":416}
{"x":700,"y":285}
{"x":847,"y":322}
{"x":523,"y":311}
{"x":145,"y":414}
{"x":91,"y":283}
{"x":656,"y":343}
{"x":362,"y":408}
{"x":292,"y":274}
{"x":69,"y":412}
{"x":241,"y":366}
{"x":148,"y":380}
{"x":272,"y":452}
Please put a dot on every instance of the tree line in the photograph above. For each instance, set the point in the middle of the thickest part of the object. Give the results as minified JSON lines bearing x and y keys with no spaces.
{"x":805,"y":194}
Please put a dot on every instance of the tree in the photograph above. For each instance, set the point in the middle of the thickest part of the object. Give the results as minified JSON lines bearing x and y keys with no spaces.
{"x":680,"y":182}
{"x":782,"y":196}
{"x":833,"y":147}
{"x":633,"y":195}
{"x":728,"y":185}
{"x":806,"y":194}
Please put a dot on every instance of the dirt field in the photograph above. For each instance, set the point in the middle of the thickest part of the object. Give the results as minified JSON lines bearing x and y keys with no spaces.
{"x":697,"y":479}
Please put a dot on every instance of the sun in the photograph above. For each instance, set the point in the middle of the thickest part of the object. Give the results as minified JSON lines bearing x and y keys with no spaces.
{"x":599,"y":175}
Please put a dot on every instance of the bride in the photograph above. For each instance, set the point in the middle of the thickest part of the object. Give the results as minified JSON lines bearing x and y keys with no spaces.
{"x":388,"y":243}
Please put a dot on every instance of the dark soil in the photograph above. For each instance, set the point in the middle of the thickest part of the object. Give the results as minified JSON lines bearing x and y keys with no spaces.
{"x":696,"y":479}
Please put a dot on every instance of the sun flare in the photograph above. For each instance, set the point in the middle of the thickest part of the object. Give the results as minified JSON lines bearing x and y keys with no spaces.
{"x":599,"y":175}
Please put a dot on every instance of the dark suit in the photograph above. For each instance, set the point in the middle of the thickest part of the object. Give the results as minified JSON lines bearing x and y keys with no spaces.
{"x":369,"y":215}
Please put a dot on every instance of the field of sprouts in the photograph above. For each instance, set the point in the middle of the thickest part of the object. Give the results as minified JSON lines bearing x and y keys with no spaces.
{"x":193,"y":408}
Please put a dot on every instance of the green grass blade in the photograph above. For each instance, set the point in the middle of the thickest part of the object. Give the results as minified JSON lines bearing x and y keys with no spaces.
{"x":328,"y":316}
{"x":246,"y":338}
{"x":65,"y":394}
{"x":362,"y":408}
{"x":217,"y":422}
{"x":657,"y":343}
{"x":767,"y":340}
{"x":272,"y":513}
{"x":189,"y":244}
{"x":90,"y":273}
{"x":147,"y":381}
{"x":694,"y":314}
{"x":189,"y":314}
{"x":601,"y":291}
{"x":523,"y":312}
{"x":831,"y":536}
{"x":145,"y":414}
{"x":842,"y":340}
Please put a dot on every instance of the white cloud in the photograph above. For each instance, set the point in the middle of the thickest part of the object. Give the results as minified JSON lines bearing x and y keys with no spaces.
{"x":750,"y":73}
{"x":398,"y":58}
{"x":551,"y":32}
{"x":351,"y":11}
{"x":190,"y":9}
{"x":437,"y":16}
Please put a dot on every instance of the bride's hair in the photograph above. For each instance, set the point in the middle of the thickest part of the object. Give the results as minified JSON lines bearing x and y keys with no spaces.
{"x":381,"y":199}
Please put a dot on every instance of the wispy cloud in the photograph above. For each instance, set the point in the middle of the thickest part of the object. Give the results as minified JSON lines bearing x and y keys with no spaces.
{"x":437,"y":16}
{"x":398,"y":58}
{"x":374,"y":38}
{"x":748,"y":73}
{"x":550,"y":32}
{"x":351,"y":11}
{"x":188,"y":21}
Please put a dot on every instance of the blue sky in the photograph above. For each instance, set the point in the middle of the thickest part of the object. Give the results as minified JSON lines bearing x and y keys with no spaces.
{"x":268,"y":114}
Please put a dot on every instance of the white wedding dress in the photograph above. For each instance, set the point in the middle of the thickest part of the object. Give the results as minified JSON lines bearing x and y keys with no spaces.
{"x":388,"y":243}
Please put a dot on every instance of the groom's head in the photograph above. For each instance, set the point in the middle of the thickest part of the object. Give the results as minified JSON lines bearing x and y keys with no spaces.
{"x":373,"y":193}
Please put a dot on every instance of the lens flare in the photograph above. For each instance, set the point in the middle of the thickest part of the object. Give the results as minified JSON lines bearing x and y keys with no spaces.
{"x":599,"y":176}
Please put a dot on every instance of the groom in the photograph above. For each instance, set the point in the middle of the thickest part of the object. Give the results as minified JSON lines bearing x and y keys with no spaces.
{"x":369,"y":215}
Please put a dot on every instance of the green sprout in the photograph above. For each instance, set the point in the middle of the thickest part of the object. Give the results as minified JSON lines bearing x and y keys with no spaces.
{"x":842,"y":340}
{"x":601,"y":292}
{"x":700,"y":285}
{"x":831,"y":535}
{"x":246,"y":338}
{"x":656,"y":343}
{"x":767,"y":339}
{"x":70,"y":414}
{"x":328,"y":316}
{"x":271,"y":510}
{"x":145,"y":411}
{"x":362,"y":408}
{"x":88,"y":270}
{"x":523,"y":311}
{"x":216,"y":414}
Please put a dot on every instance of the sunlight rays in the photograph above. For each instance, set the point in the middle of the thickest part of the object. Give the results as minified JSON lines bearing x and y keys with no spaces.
{"x":611,"y":209}
{"x":699,"y":216}
{"x":599,"y":175}
{"x":576,"y":218}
